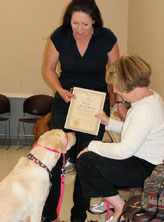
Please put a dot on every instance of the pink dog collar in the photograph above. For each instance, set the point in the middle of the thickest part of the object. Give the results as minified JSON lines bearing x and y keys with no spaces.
{"x":47,"y":148}
{"x":50,"y":149}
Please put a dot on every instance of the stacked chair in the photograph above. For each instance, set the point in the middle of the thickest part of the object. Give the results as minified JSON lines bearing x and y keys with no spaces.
{"x":35,"y":106}
{"x":5,"y":119}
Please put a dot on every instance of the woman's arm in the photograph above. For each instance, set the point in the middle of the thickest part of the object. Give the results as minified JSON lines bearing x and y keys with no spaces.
{"x":133,"y":136}
{"x":121,"y":108}
{"x":52,"y":58}
{"x":113,"y":55}
{"x":110,"y":124}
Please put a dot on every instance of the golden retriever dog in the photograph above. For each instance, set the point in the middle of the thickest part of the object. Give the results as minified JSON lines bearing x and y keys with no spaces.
{"x":42,"y":125}
{"x":24,"y":191}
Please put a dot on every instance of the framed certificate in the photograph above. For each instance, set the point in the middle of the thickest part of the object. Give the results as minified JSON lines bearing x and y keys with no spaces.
{"x":82,"y":110}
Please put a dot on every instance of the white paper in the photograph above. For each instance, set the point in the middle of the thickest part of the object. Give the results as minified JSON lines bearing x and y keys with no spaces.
{"x":82,"y":110}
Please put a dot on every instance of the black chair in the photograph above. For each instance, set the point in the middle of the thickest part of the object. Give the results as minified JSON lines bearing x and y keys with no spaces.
{"x":5,"y":118}
{"x":37,"y":105}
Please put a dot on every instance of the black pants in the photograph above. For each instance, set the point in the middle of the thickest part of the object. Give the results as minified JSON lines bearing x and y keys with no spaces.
{"x":58,"y":117}
{"x":99,"y":177}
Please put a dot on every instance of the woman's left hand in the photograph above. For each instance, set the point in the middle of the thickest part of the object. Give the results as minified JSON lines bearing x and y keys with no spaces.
{"x":83,"y":151}
{"x":103,"y":117}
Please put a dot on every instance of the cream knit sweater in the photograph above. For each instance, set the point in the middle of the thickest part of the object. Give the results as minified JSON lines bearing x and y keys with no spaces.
{"x":142,"y":133}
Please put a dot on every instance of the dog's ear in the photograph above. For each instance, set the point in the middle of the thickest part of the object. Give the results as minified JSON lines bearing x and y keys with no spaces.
{"x":58,"y":140}
{"x":54,"y":139}
{"x":67,"y":140}
{"x":63,"y":148}
{"x":62,"y":143}
{"x":71,"y":139}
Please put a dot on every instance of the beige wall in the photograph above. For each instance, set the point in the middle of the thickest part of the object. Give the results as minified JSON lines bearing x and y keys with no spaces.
{"x":146,"y":35}
{"x":25,"y":26}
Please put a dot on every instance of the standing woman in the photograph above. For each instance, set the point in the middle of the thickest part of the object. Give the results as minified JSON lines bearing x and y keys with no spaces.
{"x":83,"y":47}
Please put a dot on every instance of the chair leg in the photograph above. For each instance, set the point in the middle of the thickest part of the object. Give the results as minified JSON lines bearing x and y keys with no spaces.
{"x":7,"y":127}
{"x":9,"y":132}
{"x":5,"y":132}
{"x":24,"y":131}
{"x":18,"y":137}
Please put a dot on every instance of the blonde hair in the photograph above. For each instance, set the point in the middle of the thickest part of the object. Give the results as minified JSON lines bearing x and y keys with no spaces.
{"x":129,"y":72}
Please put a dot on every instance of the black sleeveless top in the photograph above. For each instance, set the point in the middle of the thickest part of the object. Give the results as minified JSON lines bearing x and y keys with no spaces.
{"x":87,"y":71}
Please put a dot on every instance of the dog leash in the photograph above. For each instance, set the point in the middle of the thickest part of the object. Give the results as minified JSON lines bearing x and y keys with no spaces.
{"x":61,"y":188}
{"x":62,"y":184}
{"x":62,"y":176}
{"x":108,"y":209}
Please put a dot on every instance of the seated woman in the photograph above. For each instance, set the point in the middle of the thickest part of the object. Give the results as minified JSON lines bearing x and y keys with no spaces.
{"x":102,"y":167}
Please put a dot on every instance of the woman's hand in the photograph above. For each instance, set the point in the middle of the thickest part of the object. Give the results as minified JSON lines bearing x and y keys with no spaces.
{"x":83,"y":151}
{"x":103,"y":117}
{"x":66,"y":95}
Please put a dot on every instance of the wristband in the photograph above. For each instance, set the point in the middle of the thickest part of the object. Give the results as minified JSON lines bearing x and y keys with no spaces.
{"x":120,"y":102}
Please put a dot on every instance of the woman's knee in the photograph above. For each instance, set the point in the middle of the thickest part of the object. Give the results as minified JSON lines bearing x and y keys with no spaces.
{"x":85,"y":162}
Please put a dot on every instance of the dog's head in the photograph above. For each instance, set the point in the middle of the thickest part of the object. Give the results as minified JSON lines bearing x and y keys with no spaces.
{"x":57,"y":139}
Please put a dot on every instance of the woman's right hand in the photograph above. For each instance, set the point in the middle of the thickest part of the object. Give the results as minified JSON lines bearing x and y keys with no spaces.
{"x":66,"y":95}
{"x":103,"y":117}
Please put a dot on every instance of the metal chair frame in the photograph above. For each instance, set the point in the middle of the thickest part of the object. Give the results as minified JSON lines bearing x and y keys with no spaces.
{"x":40,"y":108}
{"x":7,"y":126}
{"x":6,"y":120}
{"x":24,"y":134}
